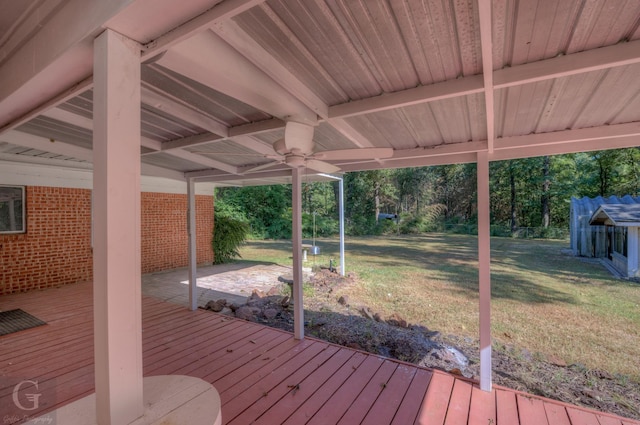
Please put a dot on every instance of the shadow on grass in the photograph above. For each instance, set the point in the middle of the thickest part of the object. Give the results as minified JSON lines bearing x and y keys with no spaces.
{"x":527,"y":271}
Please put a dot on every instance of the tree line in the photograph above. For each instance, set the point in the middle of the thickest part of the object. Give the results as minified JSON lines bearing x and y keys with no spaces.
{"x":525,"y":193}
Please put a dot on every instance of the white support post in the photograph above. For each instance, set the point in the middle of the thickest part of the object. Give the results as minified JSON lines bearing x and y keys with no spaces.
{"x":116,"y":258}
{"x":341,"y":208}
{"x":193,"y":254}
{"x":296,"y":242}
{"x":484,"y":269}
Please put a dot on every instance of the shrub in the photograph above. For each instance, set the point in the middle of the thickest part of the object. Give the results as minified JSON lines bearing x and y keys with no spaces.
{"x":229,"y":233}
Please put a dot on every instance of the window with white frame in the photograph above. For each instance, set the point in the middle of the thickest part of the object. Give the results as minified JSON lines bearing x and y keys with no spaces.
{"x":12,"y":209}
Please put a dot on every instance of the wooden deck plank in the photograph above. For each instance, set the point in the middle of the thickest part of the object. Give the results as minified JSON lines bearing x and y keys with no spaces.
{"x":386,"y":406}
{"x":556,"y":414}
{"x":306,"y":388}
{"x":234,"y":406}
{"x":483,"y":407}
{"x":436,"y":401}
{"x":231,"y":386}
{"x":280,"y":387}
{"x":367,"y":397}
{"x":337,"y":384}
{"x":215,"y":353}
{"x":608,"y":420}
{"x":581,"y":417}
{"x":342,"y":399}
{"x":310,"y":407}
{"x":245,"y":355}
{"x":458,"y":411}
{"x":506,"y":408}
{"x":531,"y":411}
{"x":408,"y":410}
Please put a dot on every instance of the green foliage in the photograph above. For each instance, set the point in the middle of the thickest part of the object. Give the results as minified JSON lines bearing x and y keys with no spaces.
{"x":525,"y":193}
{"x":229,"y":233}
{"x":264,"y":207}
{"x":325,"y":226}
{"x":428,"y":220}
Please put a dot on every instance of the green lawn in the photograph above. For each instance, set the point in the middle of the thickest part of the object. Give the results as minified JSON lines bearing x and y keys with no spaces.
{"x":543,"y":300}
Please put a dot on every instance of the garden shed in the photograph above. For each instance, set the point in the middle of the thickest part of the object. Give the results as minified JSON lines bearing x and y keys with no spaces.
{"x":621,"y":222}
{"x":589,"y":240}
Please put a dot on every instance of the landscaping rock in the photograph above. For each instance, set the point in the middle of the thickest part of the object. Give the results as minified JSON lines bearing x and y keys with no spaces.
{"x":246,"y":313}
{"x":285,"y":302}
{"x":216,"y":306}
{"x":233,"y":307}
{"x":270,"y":313}
{"x":343,"y":300}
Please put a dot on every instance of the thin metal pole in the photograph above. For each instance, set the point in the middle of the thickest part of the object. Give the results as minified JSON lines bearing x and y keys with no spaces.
{"x":341,"y":208}
{"x":191,"y":232}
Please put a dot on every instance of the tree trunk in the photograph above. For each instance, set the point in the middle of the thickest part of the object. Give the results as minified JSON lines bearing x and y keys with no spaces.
{"x":377,"y":200}
{"x":546,"y":183}
{"x":512,"y":182}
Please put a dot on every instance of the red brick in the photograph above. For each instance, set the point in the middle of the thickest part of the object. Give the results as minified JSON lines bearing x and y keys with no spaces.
{"x":56,"y":249}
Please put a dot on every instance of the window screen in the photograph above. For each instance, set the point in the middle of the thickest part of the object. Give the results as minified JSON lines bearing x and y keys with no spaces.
{"x":12,"y":216}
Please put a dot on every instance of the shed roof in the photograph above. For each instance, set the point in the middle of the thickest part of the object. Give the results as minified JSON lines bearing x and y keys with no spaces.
{"x":627,"y":215}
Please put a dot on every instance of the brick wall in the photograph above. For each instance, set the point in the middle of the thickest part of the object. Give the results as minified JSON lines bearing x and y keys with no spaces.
{"x":56,"y":249}
{"x":164,"y":231}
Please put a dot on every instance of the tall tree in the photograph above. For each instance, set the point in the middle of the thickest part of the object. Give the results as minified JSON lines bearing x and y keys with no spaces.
{"x":546,"y":209}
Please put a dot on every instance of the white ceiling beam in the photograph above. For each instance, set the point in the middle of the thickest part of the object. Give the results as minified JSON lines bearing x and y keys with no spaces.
{"x":348,"y":131}
{"x":237,"y":38}
{"x":621,"y":54}
{"x":46,"y":145}
{"x":257,"y":127}
{"x":254,"y":144}
{"x":87,"y":123}
{"x":439,"y":150}
{"x":60,"y":148}
{"x":582,"y":135}
{"x":425,"y":161}
{"x":208,"y":59}
{"x":184,"y":142}
{"x":208,"y":162}
{"x":439,"y":91}
{"x":220,"y":12}
{"x":73,"y":91}
{"x":484,"y":8}
{"x":162,"y":101}
{"x":626,"y":53}
{"x":570,"y":146}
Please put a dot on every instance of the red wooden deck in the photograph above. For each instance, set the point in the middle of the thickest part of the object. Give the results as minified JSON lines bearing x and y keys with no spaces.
{"x":263,"y":375}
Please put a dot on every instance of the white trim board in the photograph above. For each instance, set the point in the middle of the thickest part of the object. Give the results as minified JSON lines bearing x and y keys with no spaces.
{"x":21,"y":174}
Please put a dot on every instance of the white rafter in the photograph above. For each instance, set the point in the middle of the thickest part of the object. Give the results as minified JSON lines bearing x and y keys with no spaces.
{"x":209,"y":60}
{"x":220,"y":12}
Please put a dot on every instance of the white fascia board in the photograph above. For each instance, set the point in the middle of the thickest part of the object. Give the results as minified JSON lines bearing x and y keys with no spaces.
{"x":21,"y":174}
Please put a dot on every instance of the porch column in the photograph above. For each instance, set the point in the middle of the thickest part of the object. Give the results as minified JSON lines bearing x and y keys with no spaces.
{"x":296,"y":242}
{"x":116,"y":255}
{"x":484,"y":269}
{"x":191,"y":231}
{"x":341,"y":208}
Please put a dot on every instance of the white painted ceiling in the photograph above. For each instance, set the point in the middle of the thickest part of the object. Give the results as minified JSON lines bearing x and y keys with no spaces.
{"x":437,"y":81}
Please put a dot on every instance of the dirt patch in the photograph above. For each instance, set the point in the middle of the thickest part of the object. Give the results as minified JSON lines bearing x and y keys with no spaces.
{"x":336,"y":320}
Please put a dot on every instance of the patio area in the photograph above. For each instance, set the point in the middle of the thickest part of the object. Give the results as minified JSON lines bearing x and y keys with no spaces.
{"x":263,"y":375}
